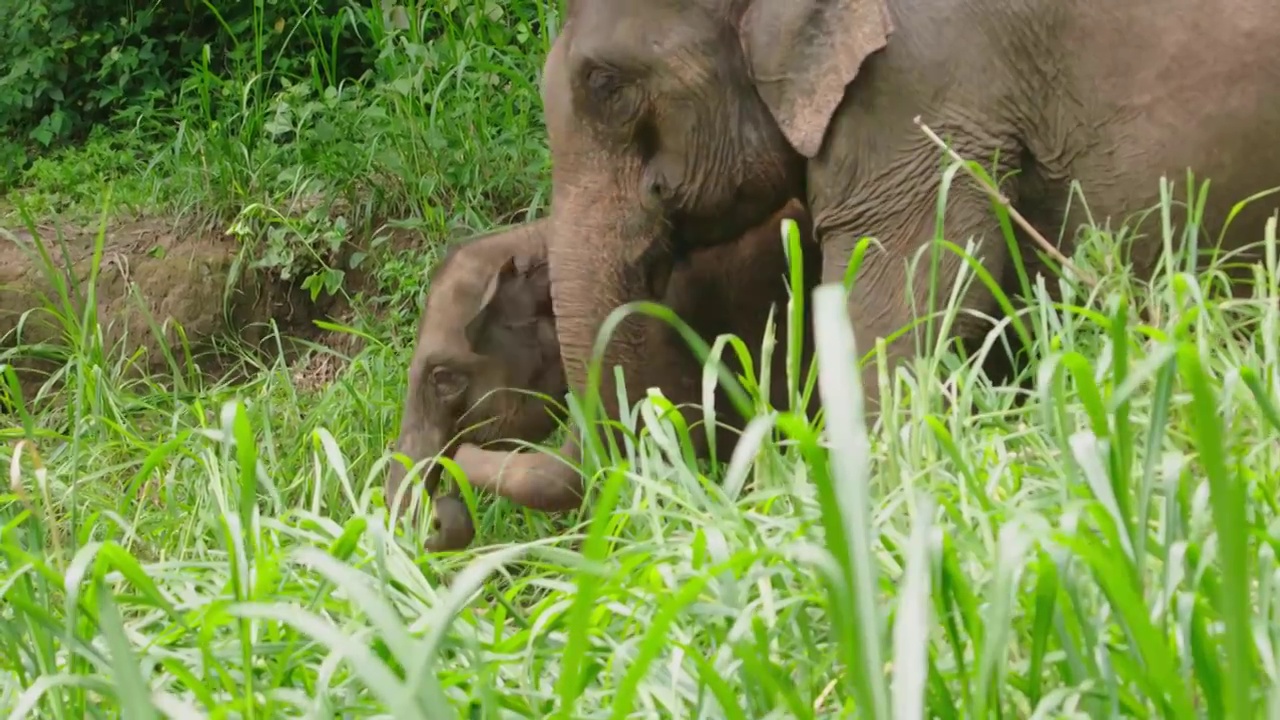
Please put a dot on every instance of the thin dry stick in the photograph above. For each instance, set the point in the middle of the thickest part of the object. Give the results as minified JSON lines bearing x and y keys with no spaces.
{"x":995,"y":194}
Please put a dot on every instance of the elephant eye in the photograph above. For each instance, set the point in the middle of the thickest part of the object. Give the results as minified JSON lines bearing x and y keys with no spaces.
{"x":603,"y":83}
{"x":609,"y":94}
{"x":449,"y":384}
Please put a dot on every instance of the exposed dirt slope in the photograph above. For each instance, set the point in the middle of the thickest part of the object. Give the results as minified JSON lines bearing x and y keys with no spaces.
{"x":181,"y":279}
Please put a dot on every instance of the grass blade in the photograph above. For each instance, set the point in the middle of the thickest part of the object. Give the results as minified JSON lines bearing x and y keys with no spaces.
{"x":911,"y":626}
{"x":847,"y":514}
{"x":1227,"y":498}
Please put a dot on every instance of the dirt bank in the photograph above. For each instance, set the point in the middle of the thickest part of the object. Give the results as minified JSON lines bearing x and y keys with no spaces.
{"x":194,"y":286}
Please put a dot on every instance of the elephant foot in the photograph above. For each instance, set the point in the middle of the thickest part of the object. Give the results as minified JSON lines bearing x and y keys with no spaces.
{"x":535,"y":480}
{"x":451,"y":526}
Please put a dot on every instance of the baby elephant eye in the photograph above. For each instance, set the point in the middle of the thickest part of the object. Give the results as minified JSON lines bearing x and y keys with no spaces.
{"x":603,"y":83}
{"x":448,"y":383}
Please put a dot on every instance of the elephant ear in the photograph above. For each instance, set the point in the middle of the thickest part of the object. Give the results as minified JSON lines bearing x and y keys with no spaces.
{"x":489,"y":308}
{"x":511,"y":298}
{"x":537,"y":287}
{"x":804,"y":53}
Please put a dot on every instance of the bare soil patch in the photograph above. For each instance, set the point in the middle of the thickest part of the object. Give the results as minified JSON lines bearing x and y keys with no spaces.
{"x":196,"y":286}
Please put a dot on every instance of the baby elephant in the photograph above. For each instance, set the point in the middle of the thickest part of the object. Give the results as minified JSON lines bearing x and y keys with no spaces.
{"x":488,"y":334}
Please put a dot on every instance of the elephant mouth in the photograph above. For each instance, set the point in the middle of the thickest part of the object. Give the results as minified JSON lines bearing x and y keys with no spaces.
{"x":746,"y":207}
{"x":690,"y":231}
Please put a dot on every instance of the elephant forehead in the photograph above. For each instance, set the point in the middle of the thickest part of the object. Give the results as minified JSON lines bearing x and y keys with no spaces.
{"x":454,"y":296}
{"x":654,"y":29}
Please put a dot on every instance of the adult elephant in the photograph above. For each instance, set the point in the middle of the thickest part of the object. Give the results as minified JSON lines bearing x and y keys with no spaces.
{"x":679,"y":123}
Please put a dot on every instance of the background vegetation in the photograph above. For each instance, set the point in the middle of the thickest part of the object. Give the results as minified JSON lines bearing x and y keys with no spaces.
{"x":1100,"y":543}
{"x":290,"y":123}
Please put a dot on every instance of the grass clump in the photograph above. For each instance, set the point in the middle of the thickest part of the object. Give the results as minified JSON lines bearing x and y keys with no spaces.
{"x":1100,"y":544}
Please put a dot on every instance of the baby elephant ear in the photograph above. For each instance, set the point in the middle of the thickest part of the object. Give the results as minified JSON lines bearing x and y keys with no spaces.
{"x":804,"y":53}
{"x":489,"y":309}
{"x":537,"y":288}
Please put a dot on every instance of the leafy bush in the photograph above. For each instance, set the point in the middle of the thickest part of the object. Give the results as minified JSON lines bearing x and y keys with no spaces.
{"x":73,"y":65}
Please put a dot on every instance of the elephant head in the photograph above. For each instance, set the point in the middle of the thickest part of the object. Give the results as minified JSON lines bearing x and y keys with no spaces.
{"x":486,"y":334}
{"x":675,"y":124}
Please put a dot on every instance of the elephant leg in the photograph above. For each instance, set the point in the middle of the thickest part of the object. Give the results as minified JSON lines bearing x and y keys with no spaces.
{"x":874,"y":311}
{"x":536,"y":480}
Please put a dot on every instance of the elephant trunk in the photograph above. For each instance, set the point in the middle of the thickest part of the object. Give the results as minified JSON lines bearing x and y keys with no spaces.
{"x":413,"y":445}
{"x":419,"y":438}
{"x":607,"y":250}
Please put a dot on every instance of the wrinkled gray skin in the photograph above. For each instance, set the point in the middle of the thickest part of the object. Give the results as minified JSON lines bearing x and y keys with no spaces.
{"x":675,"y":124}
{"x":487,"y":333}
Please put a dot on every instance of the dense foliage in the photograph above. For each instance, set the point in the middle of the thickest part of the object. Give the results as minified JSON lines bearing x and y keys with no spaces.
{"x":256,"y":76}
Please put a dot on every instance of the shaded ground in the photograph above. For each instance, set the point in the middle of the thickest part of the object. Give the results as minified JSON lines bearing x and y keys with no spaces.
{"x":195,"y":287}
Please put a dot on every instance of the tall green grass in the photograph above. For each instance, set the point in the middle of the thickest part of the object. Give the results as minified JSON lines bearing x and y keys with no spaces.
{"x":1102,"y":546}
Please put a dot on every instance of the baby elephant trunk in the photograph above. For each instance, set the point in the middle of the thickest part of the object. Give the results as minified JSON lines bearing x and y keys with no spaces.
{"x":451,"y":526}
